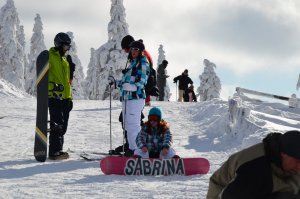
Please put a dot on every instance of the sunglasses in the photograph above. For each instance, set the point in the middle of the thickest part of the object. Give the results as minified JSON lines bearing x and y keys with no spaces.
{"x":135,"y":49}
{"x":153,"y":118}
{"x":66,"y":47}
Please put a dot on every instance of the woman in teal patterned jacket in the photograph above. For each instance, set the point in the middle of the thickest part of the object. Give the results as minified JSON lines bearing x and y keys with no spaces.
{"x":132,"y":87}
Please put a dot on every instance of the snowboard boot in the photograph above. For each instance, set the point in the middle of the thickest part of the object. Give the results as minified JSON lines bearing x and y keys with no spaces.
{"x":114,"y":152}
{"x":119,"y":149}
{"x":59,"y":156}
{"x":129,"y":153}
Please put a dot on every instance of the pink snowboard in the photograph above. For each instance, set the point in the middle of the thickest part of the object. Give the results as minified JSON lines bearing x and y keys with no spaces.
{"x":139,"y":166}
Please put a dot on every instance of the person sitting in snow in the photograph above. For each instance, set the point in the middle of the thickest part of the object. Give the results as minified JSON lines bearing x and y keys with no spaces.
{"x":267,"y":170}
{"x":155,"y":138}
{"x":189,"y":94}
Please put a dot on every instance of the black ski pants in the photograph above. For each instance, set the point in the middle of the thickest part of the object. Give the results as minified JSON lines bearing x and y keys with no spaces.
{"x":59,"y":111}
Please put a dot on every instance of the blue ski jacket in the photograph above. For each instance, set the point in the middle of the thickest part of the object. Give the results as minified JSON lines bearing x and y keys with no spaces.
{"x":133,"y":82}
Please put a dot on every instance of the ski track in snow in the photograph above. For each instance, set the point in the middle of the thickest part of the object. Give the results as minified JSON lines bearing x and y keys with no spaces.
{"x":199,"y":130}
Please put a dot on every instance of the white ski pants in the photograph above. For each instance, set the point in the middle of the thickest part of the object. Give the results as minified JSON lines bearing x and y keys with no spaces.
{"x":131,"y":110}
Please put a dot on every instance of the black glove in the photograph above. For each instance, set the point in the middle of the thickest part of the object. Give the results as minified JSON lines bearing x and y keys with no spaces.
{"x":72,"y":66}
{"x":174,"y":81}
{"x":111,"y":80}
{"x":125,"y":70}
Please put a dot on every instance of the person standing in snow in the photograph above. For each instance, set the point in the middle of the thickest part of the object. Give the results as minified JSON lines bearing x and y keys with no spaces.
{"x":268,"y":170}
{"x":162,"y":79}
{"x":126,"y":41}
{"x":61,"y":69}
{"x":155,"y":138}
{"x":132,"y":87}
{"x":189,"y":94}
{"x":184,"y":81}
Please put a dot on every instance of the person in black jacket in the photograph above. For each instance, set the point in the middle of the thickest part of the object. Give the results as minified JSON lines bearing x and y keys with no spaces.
{"x":184,"y":81}
{"x":267,"y":170}
{"x":162,"y":79}
{"x":189,"y":94}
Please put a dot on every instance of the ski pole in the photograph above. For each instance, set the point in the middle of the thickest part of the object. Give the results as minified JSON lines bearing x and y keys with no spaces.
{"x":176,"y":92}
{"x":110,"y":137}
{"x":124,"y":130}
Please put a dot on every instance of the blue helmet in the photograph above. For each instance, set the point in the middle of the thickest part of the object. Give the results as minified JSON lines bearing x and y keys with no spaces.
{"x":156,"y":111}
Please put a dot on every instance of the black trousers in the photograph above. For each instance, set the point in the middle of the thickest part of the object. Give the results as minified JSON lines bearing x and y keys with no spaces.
{"x":59,"y":111}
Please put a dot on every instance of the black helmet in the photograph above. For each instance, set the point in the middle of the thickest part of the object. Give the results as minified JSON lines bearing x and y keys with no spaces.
{"x":138,"y":45}
{"x":62,"y":38}
{"x":126,"y":41}
{"x":165,"y":62}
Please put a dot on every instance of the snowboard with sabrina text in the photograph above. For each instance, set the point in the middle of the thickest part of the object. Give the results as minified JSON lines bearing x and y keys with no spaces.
{"x":139,"y":166}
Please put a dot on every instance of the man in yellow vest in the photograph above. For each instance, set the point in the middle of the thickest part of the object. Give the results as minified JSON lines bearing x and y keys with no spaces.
{"x":61,"y":69}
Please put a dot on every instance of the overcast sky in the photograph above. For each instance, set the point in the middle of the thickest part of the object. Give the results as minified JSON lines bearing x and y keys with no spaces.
{"x":255,"y":44}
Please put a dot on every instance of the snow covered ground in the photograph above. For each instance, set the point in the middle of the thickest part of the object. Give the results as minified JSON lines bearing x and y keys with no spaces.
{"x":199,"y":129}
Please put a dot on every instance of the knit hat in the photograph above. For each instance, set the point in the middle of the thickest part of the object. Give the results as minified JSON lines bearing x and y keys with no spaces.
{"x":165,"y":62}
{"x":290,"y":144}
{"x":126,"y":41}
{"x":137,"y":44}
{"x":155,"y":111}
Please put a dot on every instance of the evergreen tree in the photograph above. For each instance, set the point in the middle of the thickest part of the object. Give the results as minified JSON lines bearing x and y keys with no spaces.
{"x":298,"y":83}
{"x":78,"y":79}
{"x":12,"y":43}
{"x":109,"y":59}
{"x":210,"y":85}
{"x":21,"y":40}
{"x":161,"y":57}
{"x":37,"y":45}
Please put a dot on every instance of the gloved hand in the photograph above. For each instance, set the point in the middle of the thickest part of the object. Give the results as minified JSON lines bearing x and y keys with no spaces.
{"x":69,"y":59}
{"x":72,"y":66}
{"x":174,"y":81}
{"x":111,"y":80}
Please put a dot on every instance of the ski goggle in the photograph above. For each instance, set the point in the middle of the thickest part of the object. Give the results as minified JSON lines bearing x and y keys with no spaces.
{"x":135,"y":49}
{"x":153,"y":118}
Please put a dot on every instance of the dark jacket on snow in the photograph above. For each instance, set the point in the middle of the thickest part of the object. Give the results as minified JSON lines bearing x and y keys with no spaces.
{"x":184,"y":81}
{"x":255,"y":173}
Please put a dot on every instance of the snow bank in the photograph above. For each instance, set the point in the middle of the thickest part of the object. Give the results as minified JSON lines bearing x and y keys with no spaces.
{"x":8,"y":89}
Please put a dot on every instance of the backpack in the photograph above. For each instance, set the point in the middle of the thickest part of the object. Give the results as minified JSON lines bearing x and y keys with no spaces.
{"x":150,"y":87}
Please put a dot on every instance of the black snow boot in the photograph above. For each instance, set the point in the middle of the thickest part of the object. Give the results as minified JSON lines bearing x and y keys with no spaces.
{"x":120,"y":148}
{"x":129,"y":153}
{"x":59,"y":156}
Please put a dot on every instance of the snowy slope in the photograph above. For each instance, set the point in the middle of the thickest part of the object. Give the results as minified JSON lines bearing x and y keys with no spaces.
{"x":199,"y":129}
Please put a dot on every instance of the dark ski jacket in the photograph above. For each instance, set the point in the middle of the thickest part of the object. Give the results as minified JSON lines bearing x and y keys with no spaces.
{"x":184,"y":81}
{"x":255,"y":173}
{"x":161,"y":81}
